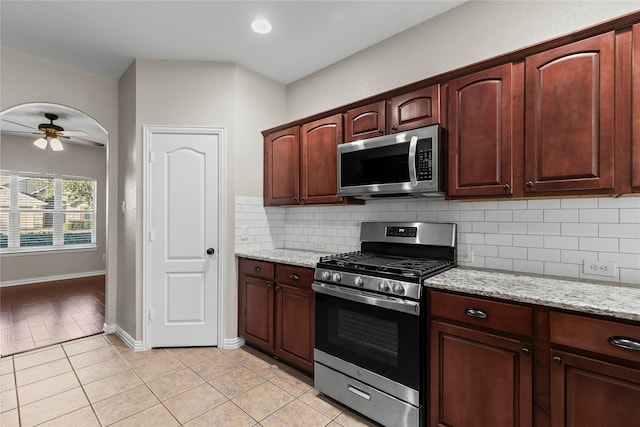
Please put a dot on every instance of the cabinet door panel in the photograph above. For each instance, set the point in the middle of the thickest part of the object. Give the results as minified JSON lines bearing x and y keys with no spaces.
{"x":281,"y":168}
{"x":365,"y":122}
{"x":478,"y":379}
{"x":319,"y":142}
{"x":415,"y":109}
{"x":569,"y":117}
{"x":481,"y":132}
{"x":258,"y":305}
{"x":587,"y":392}
{"x":295,"y":326}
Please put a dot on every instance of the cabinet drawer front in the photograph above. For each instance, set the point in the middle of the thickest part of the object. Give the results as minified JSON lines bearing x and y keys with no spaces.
{"x":599,"y":336}
{"x":252,"y":267}
{"x":295,"y":276}
{"x":505,"y":317}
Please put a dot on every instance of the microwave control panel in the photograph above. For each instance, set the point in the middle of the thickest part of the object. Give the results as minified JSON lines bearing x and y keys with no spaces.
{"x":424,"y":160}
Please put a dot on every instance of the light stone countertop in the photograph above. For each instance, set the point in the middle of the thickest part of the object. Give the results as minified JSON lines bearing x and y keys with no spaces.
{"x":285,"y":256}
{"x":620,"y":301}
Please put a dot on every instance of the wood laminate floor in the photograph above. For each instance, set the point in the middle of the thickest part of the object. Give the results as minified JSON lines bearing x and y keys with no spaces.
{"x":41,"y":314}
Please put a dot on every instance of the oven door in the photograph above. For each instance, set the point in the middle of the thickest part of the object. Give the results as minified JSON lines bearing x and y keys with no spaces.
{"x":377,"y":337}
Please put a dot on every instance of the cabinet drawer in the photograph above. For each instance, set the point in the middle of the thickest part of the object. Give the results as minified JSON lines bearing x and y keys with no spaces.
{"x":505,"y":317}
{"x":599,"y":336}
{"x":252,"y":267}
{"x":295,"y":276}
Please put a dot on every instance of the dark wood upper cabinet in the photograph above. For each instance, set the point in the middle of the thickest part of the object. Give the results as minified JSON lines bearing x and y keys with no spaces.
{"x":569,"y":122}
{"x":281,"y":168}
{"x":365,"y":122}
{"x":415,"y":109}
{"x":319,"y":141}
{"x":635,"y":110}
{"x":485,"y":132}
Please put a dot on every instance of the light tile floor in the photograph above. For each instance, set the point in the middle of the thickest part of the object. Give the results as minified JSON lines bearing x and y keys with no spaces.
{"x":99,"y":381}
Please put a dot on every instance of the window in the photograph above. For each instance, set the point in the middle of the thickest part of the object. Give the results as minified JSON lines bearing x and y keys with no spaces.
{"x":45,"y":212}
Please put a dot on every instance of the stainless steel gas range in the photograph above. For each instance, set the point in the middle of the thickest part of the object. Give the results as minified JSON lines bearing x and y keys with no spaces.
{"x":369,"y":324}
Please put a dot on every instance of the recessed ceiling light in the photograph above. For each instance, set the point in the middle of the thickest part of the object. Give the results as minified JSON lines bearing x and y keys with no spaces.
{"x":261,"y":26}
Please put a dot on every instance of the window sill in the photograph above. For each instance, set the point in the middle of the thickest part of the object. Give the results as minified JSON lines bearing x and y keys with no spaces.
{"x":4,"y":252}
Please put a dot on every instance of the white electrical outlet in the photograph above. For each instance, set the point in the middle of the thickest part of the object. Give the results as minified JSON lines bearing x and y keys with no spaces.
{"x":465,"y":257}
{"x":318,"y":245}
{"x":599,"y":268}
{"x":244,"y":233}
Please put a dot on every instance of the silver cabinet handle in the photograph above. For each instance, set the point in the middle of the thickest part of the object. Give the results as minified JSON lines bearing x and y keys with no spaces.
{"x":294,"y":277}
{"x":256,"y":269}
{"x":625,"y":343}
{"x":476,"y":312}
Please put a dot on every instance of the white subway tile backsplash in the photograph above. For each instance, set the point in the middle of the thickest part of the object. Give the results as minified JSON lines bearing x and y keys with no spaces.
{"x":499,"y":215}
{"x":561,"y":215}
{"x":579,"y":229}
{"x":630,"y":246}
{"x":551,"y":237}
{"x":598,"y":244}
{"x":630,"y":231}
{"x":526,"y":266}
{"x":537,"y":254}
{"x":599,"y":215}
{"x":528,"y":241}
{"x":561,"y":242}
{"x":510,"y":252}
{"x":543,"y":204}
{"x":562,"y":270}
{"x":547,"y":228}
{"x":513,"y":227}
{"x":499,"y":263}
{"x":533,"y":215}
{"x":485,"y":227}
{"x":629,"y":216}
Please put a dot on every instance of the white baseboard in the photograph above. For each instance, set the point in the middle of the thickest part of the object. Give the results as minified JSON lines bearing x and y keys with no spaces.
{"x":128,"y":340}
{"x":52,"y":278}
{"x":231,"y":343}
{"x":108,"y":329}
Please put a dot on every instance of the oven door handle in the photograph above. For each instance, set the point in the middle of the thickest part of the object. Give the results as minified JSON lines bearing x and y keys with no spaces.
{"x":409,"y":307}
{"x":413,"y":175}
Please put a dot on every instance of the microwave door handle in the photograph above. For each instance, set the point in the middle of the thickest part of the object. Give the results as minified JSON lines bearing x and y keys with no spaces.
{"x":412,"y":161}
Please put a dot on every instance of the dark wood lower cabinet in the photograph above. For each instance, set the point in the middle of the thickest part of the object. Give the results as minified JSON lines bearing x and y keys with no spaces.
{"x":478,"y":379}
{"x":276,"y":310}
{"x":589,"y":392}
{"x":294,"y":326}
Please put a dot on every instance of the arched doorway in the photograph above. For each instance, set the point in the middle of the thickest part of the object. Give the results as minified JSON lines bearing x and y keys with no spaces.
{"x":63,"y":240}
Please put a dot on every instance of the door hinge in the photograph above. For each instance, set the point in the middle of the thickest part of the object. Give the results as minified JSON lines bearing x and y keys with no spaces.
{"x":151,"y":236}
{"x":152,"y":156}
{"x":151,"y":314}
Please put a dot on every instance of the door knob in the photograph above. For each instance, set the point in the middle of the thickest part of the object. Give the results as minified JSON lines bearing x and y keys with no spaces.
{"x":210,"y":251}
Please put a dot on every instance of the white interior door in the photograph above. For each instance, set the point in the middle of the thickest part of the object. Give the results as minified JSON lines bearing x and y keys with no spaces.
{"x":184,"y":239}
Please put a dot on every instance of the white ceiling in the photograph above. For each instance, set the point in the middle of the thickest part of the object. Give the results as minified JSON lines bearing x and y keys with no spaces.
{"x":104,"y":37}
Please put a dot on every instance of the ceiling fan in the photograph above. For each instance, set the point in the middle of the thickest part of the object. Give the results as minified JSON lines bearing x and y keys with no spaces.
{"x":51,"y":134}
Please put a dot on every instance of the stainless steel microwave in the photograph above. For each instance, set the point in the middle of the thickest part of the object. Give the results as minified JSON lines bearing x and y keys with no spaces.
{"x":405,"y":164}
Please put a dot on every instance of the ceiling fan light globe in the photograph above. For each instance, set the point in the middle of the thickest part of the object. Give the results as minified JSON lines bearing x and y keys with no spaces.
{"x":55,"y":144}
{"x":41,"y":143}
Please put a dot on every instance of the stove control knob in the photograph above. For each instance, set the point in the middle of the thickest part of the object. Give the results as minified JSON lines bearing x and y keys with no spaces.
{"x":358,"y":281}
{"x":398,"y":289}
{"x":383,"y":286}
{"x":326,"y":275}
{"x":336,"y":277}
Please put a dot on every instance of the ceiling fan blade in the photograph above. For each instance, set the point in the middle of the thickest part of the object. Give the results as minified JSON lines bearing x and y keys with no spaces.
{"x":19,"y":124}
{"x":17,"y":132}
{"x":73,"y":133}
{"x":83,"y":141}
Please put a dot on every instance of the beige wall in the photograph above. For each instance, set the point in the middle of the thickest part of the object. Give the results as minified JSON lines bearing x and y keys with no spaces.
{"x":25,"y":78}
{"x":19,"y":154}
{"x":184,"y":93}
{"x":469,"y":33}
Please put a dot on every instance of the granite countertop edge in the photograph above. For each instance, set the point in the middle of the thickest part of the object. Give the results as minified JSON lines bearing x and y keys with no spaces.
{"x":598,"y":298}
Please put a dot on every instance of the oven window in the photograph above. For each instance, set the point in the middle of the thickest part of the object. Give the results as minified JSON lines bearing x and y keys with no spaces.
{"x":366,"y":335}
{"x":380,"y":340}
